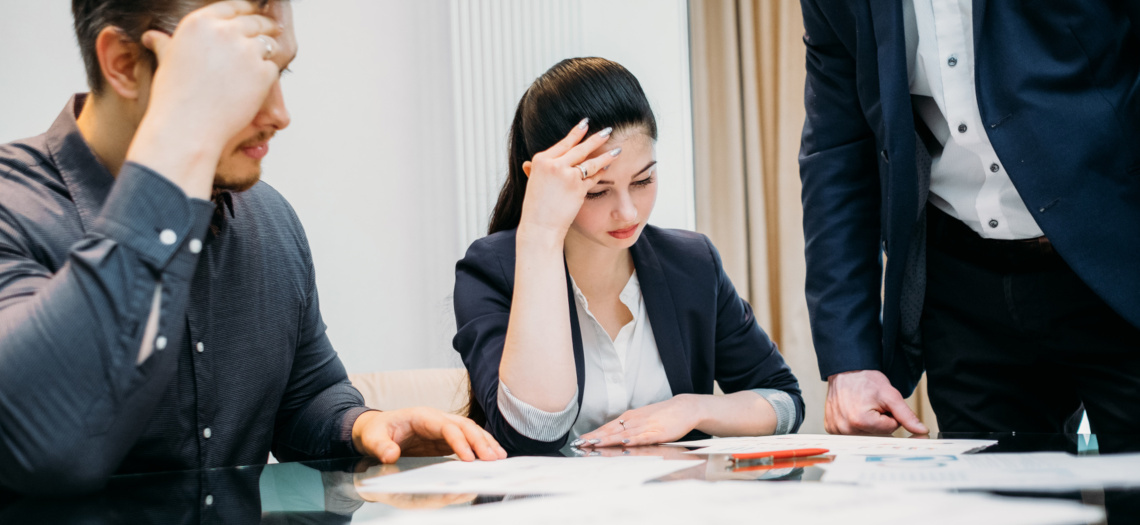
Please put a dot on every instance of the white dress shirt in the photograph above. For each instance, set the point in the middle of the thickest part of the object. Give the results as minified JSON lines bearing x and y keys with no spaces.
{"x":622,"y":373}
{"x":967,"y":180}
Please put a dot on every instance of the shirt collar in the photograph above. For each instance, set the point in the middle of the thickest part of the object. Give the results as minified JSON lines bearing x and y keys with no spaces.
{"x":87,"y":180}
{"x":630,"y":295}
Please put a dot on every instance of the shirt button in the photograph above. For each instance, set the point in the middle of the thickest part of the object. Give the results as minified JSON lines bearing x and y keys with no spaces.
{"x":994,"y":167}
{"x":952,"y":61}
{"x":168,"y":237}
{"x":993,"y":223}
{"x":961,"y":128}
{"x":195,"y":246}
{"x":201,"y":347}
{"x":209,"y":499}
{"x":206,"y":433}
{"x":160,"y":343}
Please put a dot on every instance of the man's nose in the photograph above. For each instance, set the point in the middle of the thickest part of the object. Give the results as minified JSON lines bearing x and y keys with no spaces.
{"x":273,"y":112}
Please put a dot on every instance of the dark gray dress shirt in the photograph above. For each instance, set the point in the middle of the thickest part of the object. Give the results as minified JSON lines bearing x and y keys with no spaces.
{"x":241,"y":363}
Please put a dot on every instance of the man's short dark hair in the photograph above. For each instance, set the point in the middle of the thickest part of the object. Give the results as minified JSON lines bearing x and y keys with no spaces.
{"x":132,"y":18}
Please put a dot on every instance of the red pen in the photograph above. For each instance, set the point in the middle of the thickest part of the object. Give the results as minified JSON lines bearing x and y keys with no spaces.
{"x":781,"y":454}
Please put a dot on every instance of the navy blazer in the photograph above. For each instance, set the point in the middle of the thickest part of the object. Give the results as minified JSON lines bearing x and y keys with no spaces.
{"x":1058,"y":87}
{"x":704,"y":330}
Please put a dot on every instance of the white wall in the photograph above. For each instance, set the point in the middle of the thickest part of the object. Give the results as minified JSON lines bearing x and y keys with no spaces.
{"x":370,"y":159}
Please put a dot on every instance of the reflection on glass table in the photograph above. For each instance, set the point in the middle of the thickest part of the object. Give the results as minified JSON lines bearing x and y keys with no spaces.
{"x":328,"y":491}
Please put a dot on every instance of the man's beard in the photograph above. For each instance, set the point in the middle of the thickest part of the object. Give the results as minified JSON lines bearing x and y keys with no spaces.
{"x":241,"y":182}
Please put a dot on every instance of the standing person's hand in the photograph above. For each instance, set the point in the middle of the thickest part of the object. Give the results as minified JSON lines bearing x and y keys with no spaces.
{"x":559,"y":179}
{"x":864,"y":402}
{"x":213,"y":75}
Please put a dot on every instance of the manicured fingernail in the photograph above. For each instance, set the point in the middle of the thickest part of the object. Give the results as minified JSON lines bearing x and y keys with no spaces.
{"x":595,"y":441}
{"x":606,"y":132}
{"x":625,"y":442}
{"x":577,"y":442}
{"x":584,"y":124}
{"x":615,"y":152}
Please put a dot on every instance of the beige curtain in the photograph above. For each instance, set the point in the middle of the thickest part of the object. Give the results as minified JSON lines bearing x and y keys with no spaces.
{"x":748,"y":82}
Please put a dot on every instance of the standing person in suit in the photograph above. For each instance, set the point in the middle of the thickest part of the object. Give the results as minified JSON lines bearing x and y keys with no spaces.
{"x":991,"y":151}
{"x":577,"y":320}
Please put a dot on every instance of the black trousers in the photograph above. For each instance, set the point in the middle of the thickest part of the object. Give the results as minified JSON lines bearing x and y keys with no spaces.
{"x":1014,"y":340}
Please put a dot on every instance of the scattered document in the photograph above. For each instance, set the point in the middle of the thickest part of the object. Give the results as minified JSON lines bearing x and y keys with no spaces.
{"x":1029,"y":472}
{"x":528,"y":475}
{"x":689,"y":502}
{"x":837,"y":445}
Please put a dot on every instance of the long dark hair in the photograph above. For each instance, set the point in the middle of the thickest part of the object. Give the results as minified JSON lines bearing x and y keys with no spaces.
{"x":575,"y":88}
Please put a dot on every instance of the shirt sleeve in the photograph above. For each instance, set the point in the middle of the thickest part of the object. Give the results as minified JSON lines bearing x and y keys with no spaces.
{"x":784,"y":406}
{"x":73,"y":396}
{"x":536,"y":423}
{"x":320,"y":405}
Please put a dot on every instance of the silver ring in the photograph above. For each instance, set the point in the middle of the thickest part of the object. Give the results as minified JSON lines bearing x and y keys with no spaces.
{"x":585,"y":172}
{"x":269,"y":48}
{"x":622,"y":423}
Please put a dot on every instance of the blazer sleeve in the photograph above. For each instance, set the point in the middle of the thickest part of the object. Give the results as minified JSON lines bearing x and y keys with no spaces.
{"x":746,"y":359}
{"x":482,"y":308}
{"x":842,"y":206}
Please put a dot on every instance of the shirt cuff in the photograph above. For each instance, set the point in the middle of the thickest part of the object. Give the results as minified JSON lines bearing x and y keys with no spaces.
{"x":532,"y":422}
{"x":784,"y":406}
{"x":152,"y":216}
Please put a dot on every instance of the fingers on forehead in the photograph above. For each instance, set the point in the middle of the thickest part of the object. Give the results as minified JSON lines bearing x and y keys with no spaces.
{"x":233,"y":8}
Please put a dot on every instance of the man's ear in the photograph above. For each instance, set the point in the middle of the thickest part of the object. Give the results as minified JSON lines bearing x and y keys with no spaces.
{"x":122,"y":62}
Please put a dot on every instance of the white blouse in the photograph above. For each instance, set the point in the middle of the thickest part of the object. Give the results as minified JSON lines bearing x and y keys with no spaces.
{"x":622,"y":373}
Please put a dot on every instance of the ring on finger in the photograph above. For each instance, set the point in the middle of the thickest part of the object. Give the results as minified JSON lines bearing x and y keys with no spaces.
{"x":269,"y":48}
{"x":585,"y":172}
{"x":622,"y":423}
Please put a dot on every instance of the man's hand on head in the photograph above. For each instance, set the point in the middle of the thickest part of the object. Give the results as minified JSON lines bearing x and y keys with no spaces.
{"x":213,"y":76}
{"x":864,"y":402}
{"x":422,"y":431}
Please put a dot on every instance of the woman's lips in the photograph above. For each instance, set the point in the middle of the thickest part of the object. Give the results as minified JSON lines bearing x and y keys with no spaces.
{"x":624,"y":233}
{"x":257,"y":152}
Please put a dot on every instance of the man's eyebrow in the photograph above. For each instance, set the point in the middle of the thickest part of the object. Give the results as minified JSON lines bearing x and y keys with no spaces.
{"x":643,"y":170}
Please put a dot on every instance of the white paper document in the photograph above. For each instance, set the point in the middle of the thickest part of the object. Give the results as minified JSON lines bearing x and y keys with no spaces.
{"x":528,"y":475}
{"x":1030,"y":472}
{"x":690,"y":502}
{"x":836,"y":445}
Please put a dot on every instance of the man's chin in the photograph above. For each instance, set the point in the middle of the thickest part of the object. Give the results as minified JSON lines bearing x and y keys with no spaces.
{"x":236,"y":184}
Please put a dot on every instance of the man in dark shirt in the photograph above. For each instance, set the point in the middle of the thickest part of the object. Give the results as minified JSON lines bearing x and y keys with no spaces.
{"x":144,"y":327}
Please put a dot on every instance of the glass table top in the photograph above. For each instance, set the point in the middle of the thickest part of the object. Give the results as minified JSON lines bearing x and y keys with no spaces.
{"x":326,"y":491}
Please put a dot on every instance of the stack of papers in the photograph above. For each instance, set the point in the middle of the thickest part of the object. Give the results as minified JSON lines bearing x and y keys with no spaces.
{"x":837,"y":445}
{"x":528,"y":475}
{"x":689,"y":502}
{"x":1031,"y":472}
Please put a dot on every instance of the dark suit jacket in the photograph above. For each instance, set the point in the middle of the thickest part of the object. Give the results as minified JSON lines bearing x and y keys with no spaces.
{"x":704,"y":330}
{"x":1059,"y":93}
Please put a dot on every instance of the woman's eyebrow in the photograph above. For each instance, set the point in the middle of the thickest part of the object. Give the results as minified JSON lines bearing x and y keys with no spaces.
{"x":643,"y":170}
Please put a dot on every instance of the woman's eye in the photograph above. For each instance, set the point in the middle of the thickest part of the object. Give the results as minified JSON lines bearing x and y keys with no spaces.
{"x":643,"y":182}
{"x":596,"y":195}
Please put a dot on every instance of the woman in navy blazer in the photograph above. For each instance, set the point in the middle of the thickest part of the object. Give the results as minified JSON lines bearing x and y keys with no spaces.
{"x":569,"y":237}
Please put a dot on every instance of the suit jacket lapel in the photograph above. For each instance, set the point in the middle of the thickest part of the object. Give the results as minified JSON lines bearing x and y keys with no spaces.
{"x":662,"y":315}
{"x":576,"y":338}
{"x":897,"y":113}
{"x":979,"y":17}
